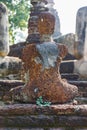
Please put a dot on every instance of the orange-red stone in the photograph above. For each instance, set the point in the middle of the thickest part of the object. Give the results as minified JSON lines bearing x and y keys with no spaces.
{"x":46,"y":23}
{"x":46,"y":83}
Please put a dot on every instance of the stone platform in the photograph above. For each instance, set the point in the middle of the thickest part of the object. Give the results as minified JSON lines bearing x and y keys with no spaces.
{"x":34,"y":116}
{"x":31,"y":115}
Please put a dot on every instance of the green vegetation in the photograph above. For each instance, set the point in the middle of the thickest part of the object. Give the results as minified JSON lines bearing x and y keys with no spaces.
{"x":18,"y":15}
{"x":41,"y":102}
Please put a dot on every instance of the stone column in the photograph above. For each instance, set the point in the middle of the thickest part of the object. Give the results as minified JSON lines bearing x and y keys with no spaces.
{"x":4,"y":38}
{"x":41,"y":62}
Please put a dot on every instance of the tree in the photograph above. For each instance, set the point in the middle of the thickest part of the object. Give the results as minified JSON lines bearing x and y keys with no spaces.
{"x":18,"y":15}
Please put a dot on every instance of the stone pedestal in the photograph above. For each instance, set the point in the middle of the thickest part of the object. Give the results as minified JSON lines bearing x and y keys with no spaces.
{"x":33,"y":117}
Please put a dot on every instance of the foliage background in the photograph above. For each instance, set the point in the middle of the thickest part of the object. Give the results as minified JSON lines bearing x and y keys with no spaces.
{"x":18,"y":11}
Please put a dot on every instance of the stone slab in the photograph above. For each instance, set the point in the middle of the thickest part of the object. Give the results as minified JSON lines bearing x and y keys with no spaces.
{"x":79,"y":82}
{"x":6,"y":85}
{"x":24,"y":115}
{"x":70,"y":76}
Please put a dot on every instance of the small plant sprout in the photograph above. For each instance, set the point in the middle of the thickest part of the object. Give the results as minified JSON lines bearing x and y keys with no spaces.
{"x":41,"y":102}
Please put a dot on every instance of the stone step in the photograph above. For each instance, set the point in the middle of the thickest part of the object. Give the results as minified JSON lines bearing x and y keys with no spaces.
{"x":82,"y":87}
{"x":31,"y":115}
{"x":79,"y":83}
{"x":70,"y":76}
{"x":67,"y":66}
{"x":81,"y":100}
{"x":6,"y":85}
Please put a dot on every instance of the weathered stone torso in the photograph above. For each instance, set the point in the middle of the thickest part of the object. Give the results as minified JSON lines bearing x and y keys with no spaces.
{"x":42,"y":74}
